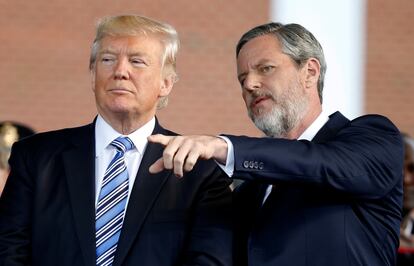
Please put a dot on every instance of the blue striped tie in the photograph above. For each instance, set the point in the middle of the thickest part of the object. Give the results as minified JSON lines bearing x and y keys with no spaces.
{"x":111,"y":204}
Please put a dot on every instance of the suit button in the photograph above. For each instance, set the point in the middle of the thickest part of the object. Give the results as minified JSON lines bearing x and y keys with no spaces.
{"x":251,"y":164}
{"x":261,"y":165}
{"x":256,"y":165}
{"x":246,"y":164}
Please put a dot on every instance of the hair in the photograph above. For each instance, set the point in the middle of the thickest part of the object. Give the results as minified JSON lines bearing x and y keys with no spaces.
{"x":296,"y":42}
{"x":133,"y":25}
{"x":10,"y":132}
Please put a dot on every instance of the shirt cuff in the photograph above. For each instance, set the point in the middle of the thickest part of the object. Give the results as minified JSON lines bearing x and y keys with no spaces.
{"x":228,"y":168}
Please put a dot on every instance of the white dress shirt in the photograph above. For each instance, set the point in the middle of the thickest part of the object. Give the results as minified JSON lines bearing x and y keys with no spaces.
{"x":104,"y":152}
{"x":308,"y":134}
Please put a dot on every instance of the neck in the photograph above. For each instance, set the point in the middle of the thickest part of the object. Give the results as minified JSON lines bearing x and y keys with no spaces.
{"x":310,"y":116}
{"x":125,"y":125}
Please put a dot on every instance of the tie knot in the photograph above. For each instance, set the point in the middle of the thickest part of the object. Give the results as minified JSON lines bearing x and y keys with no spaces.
{"x":123,"y":144}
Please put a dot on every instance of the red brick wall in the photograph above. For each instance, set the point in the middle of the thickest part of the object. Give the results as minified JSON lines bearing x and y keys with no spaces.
{"x":390,"y":61}
{"x":44,"y":51}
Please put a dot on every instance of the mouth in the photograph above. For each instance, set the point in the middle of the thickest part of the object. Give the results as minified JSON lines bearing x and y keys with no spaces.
{"x":119,"y":90}
{"x":258,"y":100}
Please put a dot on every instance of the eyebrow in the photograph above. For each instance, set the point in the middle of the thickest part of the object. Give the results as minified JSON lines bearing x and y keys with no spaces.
{"x":111,"y":51}
{"x":107,"y":51}
{"x":147,"y":58}
{"x":255,"y":66}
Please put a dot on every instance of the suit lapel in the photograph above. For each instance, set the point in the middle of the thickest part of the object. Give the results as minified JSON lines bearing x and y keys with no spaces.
{"x":144,"y":193}
{"x":335,"y":123}
{"x":79,"y":163}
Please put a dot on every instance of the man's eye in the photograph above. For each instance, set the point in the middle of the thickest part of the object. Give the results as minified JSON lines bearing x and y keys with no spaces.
{"x":266,"y":69}
{"x":107,"y":60}
{"x":137,"y":62}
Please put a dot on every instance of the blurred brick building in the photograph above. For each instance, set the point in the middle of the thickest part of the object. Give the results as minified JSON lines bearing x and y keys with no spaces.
{"x":389,"y":72}
{"x":44,"y":52}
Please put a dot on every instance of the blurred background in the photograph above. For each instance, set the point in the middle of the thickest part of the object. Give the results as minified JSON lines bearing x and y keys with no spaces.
{"x":45,"y":45}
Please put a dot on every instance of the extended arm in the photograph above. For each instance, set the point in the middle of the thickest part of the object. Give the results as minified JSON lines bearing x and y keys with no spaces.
{"x":364,"y":159}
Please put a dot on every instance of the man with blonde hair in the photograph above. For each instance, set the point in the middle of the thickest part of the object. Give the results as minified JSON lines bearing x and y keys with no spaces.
{"x":84,"y":196}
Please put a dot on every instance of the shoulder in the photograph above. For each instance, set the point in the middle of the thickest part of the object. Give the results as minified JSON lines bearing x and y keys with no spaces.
{"x":54,"y":139}
{"x":373,"y":126}
{"x":375,"y":121}
{"x":372,"y":131}
{"x":367,"y":124}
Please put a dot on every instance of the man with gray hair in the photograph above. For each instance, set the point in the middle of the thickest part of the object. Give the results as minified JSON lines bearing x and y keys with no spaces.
{"x":319,"y":189}
{"x":84,"y":196}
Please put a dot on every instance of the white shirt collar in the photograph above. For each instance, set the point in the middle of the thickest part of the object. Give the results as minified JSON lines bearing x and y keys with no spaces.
{"x":316,"y":125}
{"x":105,"y":134}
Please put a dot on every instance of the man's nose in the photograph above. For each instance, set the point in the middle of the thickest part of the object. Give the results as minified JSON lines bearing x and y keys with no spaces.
{"x":251,"y":83}
{"x":121,"y":70}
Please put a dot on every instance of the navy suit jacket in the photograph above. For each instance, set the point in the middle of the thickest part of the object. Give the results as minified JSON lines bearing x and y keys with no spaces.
{"x":47,"y":210}
{"x":336,"y":202}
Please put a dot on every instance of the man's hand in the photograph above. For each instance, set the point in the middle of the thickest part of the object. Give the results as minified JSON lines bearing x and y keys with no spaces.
{"x":182,"y":152}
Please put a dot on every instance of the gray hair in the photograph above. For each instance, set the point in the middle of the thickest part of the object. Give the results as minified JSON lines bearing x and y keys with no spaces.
{"x":296,"y":41}
{"x":133,"y":25}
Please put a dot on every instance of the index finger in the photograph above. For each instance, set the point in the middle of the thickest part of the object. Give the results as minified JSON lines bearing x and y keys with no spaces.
{"x":160,"y":138}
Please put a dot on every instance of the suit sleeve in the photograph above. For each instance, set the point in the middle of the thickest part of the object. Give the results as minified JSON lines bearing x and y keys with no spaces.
{"x":211,"y":234}
{"x":363,"y":159}
{"x":15,"y":212}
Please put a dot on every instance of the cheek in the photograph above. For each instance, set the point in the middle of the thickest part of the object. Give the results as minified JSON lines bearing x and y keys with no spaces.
{"x":93,"y":85}
{"x":247,"y":98}
{"x":103,"y":73}
{"x":244,"y":95}
{"x":96,"y":81}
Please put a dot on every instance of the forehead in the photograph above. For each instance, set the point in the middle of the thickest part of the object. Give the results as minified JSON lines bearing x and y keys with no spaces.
{"x":265,"y":47}
{"x":149,"y":45}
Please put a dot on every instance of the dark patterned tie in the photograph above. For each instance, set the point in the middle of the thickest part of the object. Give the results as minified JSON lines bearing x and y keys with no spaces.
{"x":111,"y":204}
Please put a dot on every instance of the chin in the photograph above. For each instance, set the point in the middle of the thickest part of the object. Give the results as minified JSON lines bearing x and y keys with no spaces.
{"x":254,"y":116}
{"x":119,"y":109}
{"x":259,"y":112}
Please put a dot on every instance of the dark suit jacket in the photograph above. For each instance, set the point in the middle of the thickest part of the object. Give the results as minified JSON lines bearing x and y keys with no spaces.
{"x":47,"y":210}
{"x":337,"y":200}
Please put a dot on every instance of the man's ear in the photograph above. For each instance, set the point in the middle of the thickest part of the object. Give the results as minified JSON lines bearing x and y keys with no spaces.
{"x":312,"y":70}
{"x":93,"y":77}
{"x":167,"y":84}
